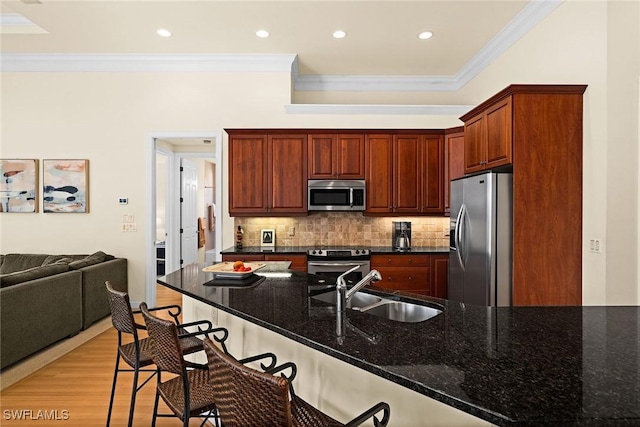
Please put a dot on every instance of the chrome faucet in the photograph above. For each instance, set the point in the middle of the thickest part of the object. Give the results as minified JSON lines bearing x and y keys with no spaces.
{"x":342,"y":297}
{"x":343,"y":294}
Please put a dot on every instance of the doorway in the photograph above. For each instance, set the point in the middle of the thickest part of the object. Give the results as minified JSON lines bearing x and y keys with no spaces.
{"x":185,"y":212}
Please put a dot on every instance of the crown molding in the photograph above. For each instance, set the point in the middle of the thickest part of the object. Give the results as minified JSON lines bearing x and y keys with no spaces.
{"x":16,"y":23}
{"x":530,"y":16}
{"x":329,"y":83}
{"x":81,"y":62}
{"x":364,"y":109}
{"x":9,"y":19}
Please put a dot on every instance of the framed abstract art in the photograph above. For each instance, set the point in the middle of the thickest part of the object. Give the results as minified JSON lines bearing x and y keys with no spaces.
{"x":19,"y":187}
{"x":65,"y":185}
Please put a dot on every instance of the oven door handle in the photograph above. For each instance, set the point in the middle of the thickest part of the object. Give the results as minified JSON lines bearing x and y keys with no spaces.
{"x":323,"y":264}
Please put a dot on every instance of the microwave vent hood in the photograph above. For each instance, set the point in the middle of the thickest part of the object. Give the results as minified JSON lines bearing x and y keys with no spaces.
{"x":336,"y":195}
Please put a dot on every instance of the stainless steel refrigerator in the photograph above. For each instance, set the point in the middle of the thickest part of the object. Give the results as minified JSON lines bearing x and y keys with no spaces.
{"x":481,"y":239}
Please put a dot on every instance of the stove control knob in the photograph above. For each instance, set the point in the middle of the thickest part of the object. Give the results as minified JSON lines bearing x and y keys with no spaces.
{"x":320,"y":252}
{"x":357,"y":251}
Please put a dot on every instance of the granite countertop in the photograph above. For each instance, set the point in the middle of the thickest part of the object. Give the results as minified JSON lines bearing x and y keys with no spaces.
{"x":530,"y":366}
{"x":252,"y":250}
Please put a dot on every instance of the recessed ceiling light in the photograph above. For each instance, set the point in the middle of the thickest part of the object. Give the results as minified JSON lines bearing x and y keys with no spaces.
{"x":262,"y":33}
{"x":339,"y":34}
{"x":425,"y":35}
{"x":163,"y":33}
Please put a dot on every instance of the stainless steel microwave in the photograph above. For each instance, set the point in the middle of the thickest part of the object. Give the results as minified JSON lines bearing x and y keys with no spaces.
{"x":336,"y":195}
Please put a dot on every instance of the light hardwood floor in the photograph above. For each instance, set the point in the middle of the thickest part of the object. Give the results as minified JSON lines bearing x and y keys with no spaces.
{"x":75,"y":388}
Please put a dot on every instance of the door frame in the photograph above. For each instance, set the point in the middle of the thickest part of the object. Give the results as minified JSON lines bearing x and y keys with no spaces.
{"x":173,"y":188}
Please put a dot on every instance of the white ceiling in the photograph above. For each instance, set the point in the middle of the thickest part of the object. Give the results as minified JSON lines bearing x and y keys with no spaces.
{"x":381,"y":35}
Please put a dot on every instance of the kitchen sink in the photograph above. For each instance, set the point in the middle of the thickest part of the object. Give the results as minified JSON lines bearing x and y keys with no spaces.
{"x":358,"y":300}
{"x":401,"y":311}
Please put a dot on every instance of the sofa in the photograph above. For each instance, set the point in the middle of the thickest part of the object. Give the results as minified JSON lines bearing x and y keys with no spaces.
{"x":46,"y":298}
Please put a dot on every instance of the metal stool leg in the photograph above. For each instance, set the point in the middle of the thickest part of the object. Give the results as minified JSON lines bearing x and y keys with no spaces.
{"x":113,"y":388}
{"x":134,"y":392}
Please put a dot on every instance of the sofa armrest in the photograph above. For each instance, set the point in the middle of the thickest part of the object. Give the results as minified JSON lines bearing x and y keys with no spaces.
{"x":37,"y":313}
{"x":95,"y":301}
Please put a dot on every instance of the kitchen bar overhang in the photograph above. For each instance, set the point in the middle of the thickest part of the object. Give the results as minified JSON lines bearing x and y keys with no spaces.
{"x":504,"y":365}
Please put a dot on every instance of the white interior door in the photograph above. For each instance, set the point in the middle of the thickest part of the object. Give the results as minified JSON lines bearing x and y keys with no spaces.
{"x":188,"y":214}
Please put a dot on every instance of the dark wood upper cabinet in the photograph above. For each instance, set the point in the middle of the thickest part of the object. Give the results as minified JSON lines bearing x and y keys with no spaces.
{"x":454,"y":160}
{"x":433,"y":175}
{"x":287,"y":172}
{"x":379,"y":173}
{"x":407,"y":168}
{"x":267,"y":174}
{"x":247,"y":174}
{"x":488,"y":137}
{"x":404,"y":173}
{"x":336,"y":156}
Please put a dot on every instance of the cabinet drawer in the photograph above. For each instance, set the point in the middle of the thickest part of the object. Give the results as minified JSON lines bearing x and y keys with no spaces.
{"x":397,"y":260}
{"x":404,"y":279}
{"x":298,"y":262}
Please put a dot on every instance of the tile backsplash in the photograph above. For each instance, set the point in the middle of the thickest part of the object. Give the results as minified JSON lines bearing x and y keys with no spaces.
{"x":343,"y":229}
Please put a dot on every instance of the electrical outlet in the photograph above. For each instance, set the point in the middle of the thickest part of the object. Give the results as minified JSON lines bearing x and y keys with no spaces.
{"x":123,"y":200}
{"x":292,"y":231}
{"x":595,"y":246}
{"x":129,"y":226}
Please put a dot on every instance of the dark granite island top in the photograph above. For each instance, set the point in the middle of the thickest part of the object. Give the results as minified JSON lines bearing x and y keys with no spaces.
{"x":530,"y":366}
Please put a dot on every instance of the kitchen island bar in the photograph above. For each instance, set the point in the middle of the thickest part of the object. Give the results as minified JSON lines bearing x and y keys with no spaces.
{"x":529,"y":366}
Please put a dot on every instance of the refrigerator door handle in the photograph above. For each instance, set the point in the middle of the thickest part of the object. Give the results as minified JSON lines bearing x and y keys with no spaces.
{"x":458,"y":231}
{"x":463,"y":236}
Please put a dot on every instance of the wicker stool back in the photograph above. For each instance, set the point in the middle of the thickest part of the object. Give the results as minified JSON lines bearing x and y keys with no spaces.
{"x":247,"y":397}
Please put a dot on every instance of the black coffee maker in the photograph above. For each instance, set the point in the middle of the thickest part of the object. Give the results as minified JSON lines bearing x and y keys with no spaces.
{"x":401,"y":235}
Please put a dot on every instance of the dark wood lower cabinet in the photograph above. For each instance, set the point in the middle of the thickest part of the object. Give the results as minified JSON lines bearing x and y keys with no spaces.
{"x":298,"y":262}
{"x":405,"y":279}
{"x":422,"y":274}
{"x":439,"y":275}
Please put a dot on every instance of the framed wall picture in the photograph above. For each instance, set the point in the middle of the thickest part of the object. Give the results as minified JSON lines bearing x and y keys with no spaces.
{"x":267,"y":237}
{"x":19,"y":187}
{"x":65,"y":185}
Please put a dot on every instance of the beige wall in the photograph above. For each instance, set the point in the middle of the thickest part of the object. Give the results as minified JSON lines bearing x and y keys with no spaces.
{"x":109,"y":118}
